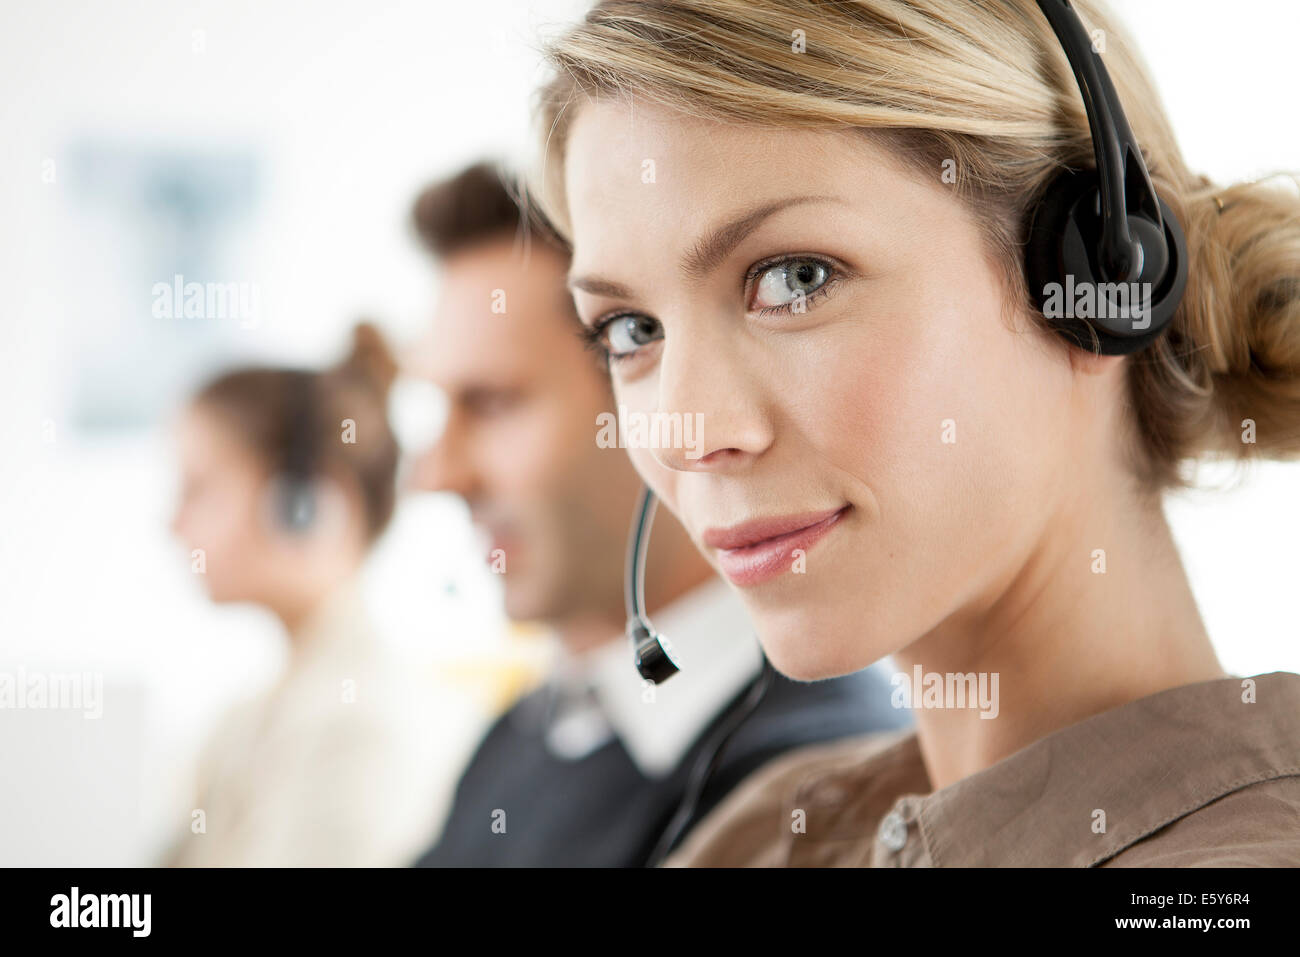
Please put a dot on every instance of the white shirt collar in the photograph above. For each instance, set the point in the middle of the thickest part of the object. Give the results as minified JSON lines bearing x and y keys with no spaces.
{"x":713,"y":641}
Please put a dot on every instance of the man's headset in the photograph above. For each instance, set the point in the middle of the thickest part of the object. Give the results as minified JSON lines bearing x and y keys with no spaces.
{"x":1103,"y":228}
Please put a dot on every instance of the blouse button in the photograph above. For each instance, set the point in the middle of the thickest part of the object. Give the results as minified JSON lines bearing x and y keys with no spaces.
{"x":893,"y":831}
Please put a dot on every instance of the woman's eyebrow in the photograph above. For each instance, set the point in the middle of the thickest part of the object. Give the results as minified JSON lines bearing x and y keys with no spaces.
{"x":709,"y":251}
{"x":599,"y":287}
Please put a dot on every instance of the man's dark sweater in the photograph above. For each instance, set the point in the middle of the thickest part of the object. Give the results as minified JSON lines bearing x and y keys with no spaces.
{"x":601,"y":810}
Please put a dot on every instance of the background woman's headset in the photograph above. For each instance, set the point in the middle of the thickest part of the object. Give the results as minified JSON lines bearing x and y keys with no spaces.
{"x":293,"y":489}
{"x":1103,"y":229}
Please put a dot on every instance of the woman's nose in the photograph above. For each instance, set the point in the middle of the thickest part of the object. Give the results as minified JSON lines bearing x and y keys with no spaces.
{"x":712,"y":409}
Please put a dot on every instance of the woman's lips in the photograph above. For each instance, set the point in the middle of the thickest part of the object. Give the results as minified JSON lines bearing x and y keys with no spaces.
{"x":757,"y":551}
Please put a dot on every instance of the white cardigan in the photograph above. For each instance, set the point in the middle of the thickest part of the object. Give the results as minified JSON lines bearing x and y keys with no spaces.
{"x":351,"y":759}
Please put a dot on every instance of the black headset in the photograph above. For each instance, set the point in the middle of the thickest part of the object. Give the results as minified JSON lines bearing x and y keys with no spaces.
{"x":651,"y":651}
{"x":293,"y":489}
{"x":1104,"y":227}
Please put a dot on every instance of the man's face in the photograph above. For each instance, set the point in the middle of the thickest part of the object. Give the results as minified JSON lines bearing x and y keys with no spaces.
{"x":520,"y":440}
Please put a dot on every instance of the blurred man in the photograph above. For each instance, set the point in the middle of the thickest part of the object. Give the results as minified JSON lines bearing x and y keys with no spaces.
{"x":588,"y":770}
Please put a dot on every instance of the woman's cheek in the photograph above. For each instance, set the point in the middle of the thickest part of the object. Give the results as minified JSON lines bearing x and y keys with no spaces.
{"x":659,"y":477}
{"x":855,"y":400}
{"x":637,"y":398}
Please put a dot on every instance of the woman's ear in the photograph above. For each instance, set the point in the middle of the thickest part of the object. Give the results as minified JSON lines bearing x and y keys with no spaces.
{"x":336,"y":511}
{"x":1089,"y":363}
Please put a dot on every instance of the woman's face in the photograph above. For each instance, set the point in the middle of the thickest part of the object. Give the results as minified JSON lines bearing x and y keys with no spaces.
{"x":225,"y":516}
{"x":880,"y":449}
{"x":222,"y":508}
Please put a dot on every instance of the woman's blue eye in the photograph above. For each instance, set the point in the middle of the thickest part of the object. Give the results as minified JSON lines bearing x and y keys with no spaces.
{"x":788,"y":283}
{"x":626,"y":334}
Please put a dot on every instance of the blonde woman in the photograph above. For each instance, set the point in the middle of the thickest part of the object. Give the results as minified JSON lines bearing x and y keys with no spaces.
{"x":806,"y":223}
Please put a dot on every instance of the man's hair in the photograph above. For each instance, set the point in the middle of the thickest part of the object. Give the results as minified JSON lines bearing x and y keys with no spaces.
{"x":482,"y":202}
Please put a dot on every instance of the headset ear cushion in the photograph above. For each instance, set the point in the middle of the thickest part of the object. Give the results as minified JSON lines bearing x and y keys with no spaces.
{"x":1063,"y":234}
{"x":293,"y":503}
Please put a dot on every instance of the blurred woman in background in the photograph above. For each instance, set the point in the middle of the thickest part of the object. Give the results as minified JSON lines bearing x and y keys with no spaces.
{"x":289,"y":477}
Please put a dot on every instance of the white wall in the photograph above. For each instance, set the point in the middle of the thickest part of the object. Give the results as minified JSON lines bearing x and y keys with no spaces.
{"x":353,"y":106}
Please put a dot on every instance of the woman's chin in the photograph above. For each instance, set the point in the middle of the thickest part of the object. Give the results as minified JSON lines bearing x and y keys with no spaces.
{"x":805,"y":649}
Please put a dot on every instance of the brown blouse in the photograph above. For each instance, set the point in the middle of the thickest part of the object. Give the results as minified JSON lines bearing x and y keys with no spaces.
{"x":1206,"y":774}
